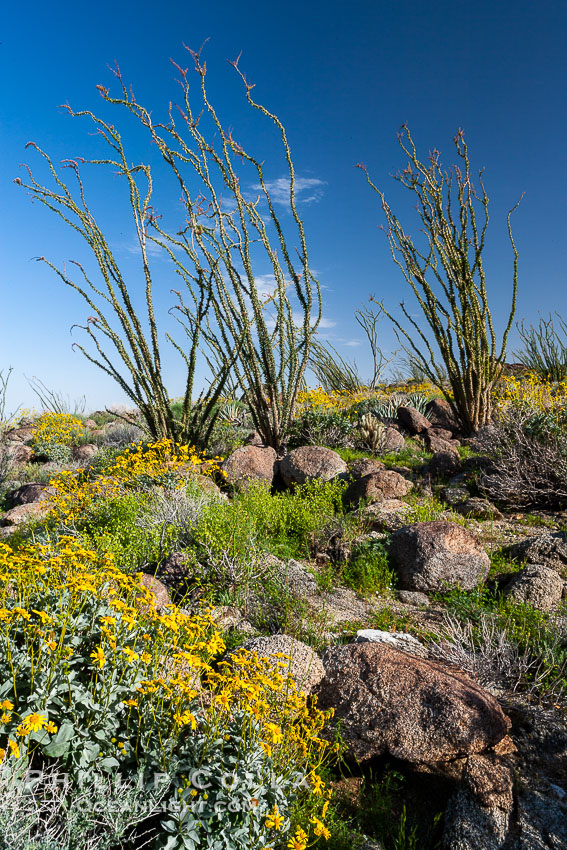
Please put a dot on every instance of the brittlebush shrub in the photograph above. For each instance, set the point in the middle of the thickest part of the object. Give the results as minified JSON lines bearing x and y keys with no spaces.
{"x":94,"y":679}
{"x":55,"y":434}
{"x":143,"y":465}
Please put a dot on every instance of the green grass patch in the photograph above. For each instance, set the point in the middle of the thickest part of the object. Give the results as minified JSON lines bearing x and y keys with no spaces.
{"x":368,"y":571}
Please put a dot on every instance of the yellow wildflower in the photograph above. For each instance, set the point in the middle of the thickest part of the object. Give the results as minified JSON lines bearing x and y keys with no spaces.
{"x":274,"y":819}
{"x":299,"y":840}
{"x":14,"y":748}
{"x":98,"y":657}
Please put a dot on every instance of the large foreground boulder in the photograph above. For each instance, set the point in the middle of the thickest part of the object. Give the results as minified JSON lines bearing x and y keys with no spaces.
{"x":388,"y":701}
{"x":250,"y":464}
{"x":430,"y":556}
{"x":308,"y":463}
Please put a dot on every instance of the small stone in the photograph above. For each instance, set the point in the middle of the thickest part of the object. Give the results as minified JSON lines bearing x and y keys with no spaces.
{"x":204,"y":482}
{"x":157,"y":589}
{"x":85,"y":453}
{"x":29,"y":493}
{"x":489,"y":779}
{"x":478,"y":509}
{"x":389,"y":515}
{"x":413,"y":597}
{"x":444,"y":464}
{"x":440,"y":433}
{"x":364,"y":466}
{"x":538,"y":586}
{"x":454,"y":495}
{"x":254,"y":439}
{"x":20,"y":435}
{"x":549,"y":548}
{"x":288,"y":655}
{"x":19,"y":453}
{"x":226,"y":616}
{"x":24,"y":513}
{"x":399,"y":640}
{"x":436,"y":444}
{"x":393,"y":441}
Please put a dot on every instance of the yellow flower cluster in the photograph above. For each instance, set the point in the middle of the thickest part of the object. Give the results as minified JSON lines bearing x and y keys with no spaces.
{"x":543,"y":396}
{"x":320,"y":400}
{"x":163,"y":659}
{"x":57,"y":428}
{"x":74,"y":492}
{"x":166,"y":655}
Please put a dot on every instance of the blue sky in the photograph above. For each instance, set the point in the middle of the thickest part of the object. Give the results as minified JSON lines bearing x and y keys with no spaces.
{"x":342,"y":78}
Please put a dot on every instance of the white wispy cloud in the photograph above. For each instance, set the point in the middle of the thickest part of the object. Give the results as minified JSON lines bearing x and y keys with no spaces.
{"x":298,"y":321}
{"x":133,"y":247}
{"x":308,"y":190}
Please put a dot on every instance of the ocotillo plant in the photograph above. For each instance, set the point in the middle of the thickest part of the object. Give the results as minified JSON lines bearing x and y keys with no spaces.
{"x":226,"y":233}
{"x":334,"y":373}
{"x":448,"y":280}
{"x":545,"y":348}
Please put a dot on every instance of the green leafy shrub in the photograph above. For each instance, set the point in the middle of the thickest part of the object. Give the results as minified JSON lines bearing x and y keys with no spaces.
{"x":94,"y":679}
{"x":40,"y":811}
{"x":321,"y":428}
{"x":368,"y":571}
{"x":429,"y":510}
{"x":116,"y":526}
{"x":281,"y":523}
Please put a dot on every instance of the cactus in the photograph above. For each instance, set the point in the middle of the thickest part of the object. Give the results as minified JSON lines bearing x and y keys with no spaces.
{"x":373,"y":433}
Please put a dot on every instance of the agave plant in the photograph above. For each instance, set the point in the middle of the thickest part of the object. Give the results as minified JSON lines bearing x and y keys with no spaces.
{"x":233,"y":413}
{"x":387,"y":407}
